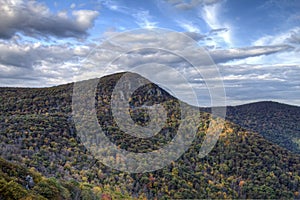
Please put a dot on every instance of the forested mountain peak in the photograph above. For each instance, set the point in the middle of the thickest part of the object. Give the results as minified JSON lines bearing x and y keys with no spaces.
{"x":37,"y":131}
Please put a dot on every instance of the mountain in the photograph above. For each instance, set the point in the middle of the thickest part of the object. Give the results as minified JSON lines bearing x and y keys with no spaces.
{"x":279,"y":123}
{"x":37,"y":131}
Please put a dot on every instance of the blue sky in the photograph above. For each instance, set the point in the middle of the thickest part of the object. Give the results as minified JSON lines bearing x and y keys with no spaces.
{"x":255,"y":44}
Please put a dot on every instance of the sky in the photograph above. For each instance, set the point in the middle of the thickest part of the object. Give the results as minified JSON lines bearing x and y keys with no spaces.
{"x":254,"y":44}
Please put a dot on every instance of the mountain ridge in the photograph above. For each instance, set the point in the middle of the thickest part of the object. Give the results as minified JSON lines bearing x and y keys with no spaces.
{"x":36,"y":131}
{"x":203,"y":107}
{"x":277,"y":122}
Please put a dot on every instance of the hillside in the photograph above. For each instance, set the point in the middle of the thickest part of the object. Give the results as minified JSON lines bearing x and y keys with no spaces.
{"x":13,"y":185}
{"x":37,"y":131}
{"x":279,"y":123}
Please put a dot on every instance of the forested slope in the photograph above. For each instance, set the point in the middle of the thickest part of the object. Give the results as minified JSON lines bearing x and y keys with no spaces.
{"x":37,"y":131}
{"x":279,"y":123}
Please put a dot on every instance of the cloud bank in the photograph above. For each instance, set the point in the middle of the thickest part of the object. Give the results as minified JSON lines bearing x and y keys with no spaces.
{"x":34,"y":19}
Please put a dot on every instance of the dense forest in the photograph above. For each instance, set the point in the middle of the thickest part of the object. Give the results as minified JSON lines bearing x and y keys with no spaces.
{"x":13,"y":185}
{"x":38,"y":138}
{"x":279,"y":123}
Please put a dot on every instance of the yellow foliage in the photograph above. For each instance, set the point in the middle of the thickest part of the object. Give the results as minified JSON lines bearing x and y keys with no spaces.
{"x":84,"y":179}
{"x":97,"y":189}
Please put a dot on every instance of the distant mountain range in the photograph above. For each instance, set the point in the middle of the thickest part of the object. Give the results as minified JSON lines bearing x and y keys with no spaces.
{"x":38,"y":135}
{"x":277,"y":122}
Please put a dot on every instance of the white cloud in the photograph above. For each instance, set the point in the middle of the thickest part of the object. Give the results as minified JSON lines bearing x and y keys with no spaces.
{"x":85,"y":18}
{"x":35,"y":19}
{"x":189,"y":26}
{"x":144,"y":19}
{"x":291,"y":36}
{"x":115,"y":6}
{"x":210,"y":14}
{"x":291,"y":57}
{"x":73,"y":5}
{"x":226,"y":55}
{"x":191,"y":4}
{"x":34,"y":64}
{"x":249,"y":83}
